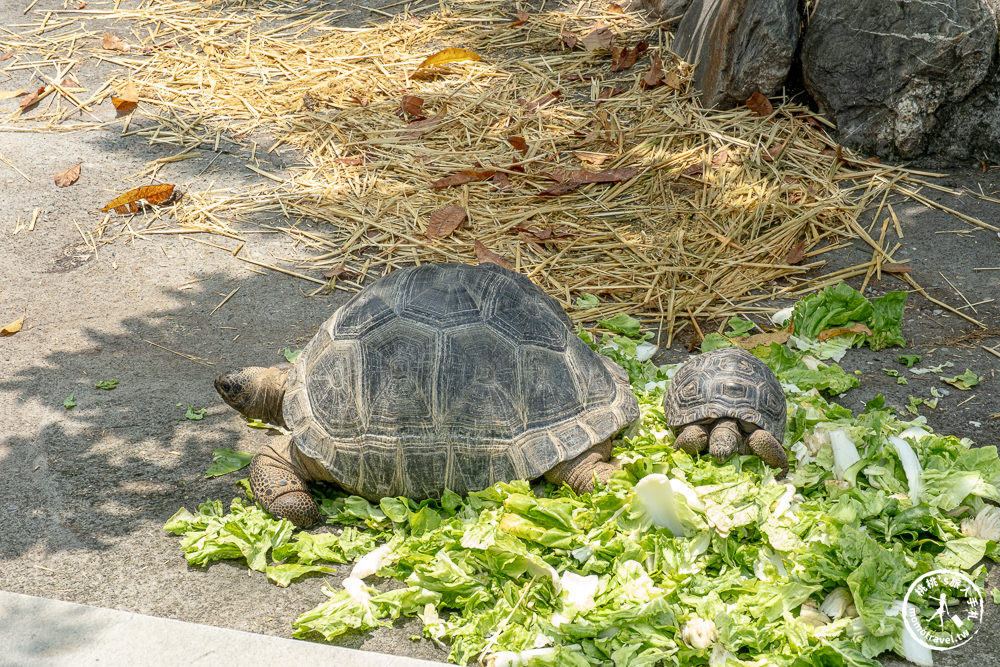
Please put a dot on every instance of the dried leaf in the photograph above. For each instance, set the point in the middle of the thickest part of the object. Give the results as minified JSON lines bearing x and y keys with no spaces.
{"x":519,"y":144}
{"x":501,"y":180}
{"x":598,"y":39}
{"x":422,"y":127}
{"x":352,"y":161}
{"x":69,"y":176}
{"x":654,"y":77}
{"x":411,"y":105}
{"x":894,"y":267}
{"x":857,"y":327}
{"x":796,"y":254}
{"x":128,"y":101}
{"x":12,"y":328}
{"x":80,"y":5}
{"x":127,"y":202}
{"x":484,"y":254}
{"x":31,"y":98}
{"x":673,"y":81}
{"x":522,"y":18}
{"x":569,"y":39}
{"x":771,"y":153}
{"x":450,"y":55}
{"x":360,"y":101}
{"x":623,"y":57}
{"x":462,"y":177}
{"x":570,"y":179}
{"x":696,"y":169}
{"x":111,"y":43}
{"x":8,"y":55}
{"x":720,"y":158}
{"x":595,"y":159}
{"x":759,"y":104}
{"x":340,"y":272}
{"x":750,"y":342}
{"x":544,"y":100}
{"x":812,"y":121}
{"x":615,"y":8}
{"x":608,"y":93}
{"x":546,"y":234}
{"x":444,"y":221}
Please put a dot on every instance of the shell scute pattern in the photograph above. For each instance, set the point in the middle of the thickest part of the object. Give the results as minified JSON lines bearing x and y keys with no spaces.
{"x":728,"y":382}
{"x":450,"y":376}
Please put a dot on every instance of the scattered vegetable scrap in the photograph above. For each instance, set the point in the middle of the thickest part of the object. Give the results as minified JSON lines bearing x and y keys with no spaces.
{"x":70,"y":402}
{"x":963,"y":382}
{"x":107,"y":385}
{"x":225,"y":461}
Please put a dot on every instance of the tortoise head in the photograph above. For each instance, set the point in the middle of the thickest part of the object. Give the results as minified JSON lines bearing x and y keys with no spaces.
{"x":255,"y":392}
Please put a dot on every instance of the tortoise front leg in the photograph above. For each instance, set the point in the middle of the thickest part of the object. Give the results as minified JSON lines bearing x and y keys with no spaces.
{"x":692,"y":439}
{"x":766,"y":446}
{"x":279,"y":488}
{"x":725,"y":439}
{"x":579,"y":472}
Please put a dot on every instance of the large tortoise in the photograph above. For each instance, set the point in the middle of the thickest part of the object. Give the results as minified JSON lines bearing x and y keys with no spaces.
{"x":436,"y":376}
{"x":728,"y":401}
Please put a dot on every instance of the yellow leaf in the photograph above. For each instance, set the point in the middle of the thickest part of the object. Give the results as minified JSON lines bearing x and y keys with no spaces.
{"x":12,"y":328}
{"x":128,"y":201}
{"x":451,"y":55}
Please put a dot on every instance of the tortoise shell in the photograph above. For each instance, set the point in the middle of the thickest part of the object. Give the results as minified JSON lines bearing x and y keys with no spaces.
{"x":728,"y":382}
{"x":450,"y":376}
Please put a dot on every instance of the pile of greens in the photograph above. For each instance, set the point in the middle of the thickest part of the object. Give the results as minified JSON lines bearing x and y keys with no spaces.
{"x":676,"y":559}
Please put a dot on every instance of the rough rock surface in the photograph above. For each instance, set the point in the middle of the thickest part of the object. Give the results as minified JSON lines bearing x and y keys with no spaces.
{"x":971,"y":128}
{"x":665,"y":9}
{"x":886,"y":71}
{"x":740,"y":47}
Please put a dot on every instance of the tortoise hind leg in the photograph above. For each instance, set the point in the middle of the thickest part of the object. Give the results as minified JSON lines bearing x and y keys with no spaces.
{"x":770,"y":451}
{"x":693,"y":439}
{"x":279,"y":488}
{"x":725,"y":439}
{"x":579,"y":472}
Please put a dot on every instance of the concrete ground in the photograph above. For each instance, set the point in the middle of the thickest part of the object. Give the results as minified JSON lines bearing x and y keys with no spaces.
{"x":86,"y":490}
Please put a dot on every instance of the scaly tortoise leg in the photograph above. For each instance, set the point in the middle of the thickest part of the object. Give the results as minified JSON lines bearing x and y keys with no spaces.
{"x":579,"y":472}
{"x":279,"y":488}
{"x":766,"y":446}
{"x":725,"y":439}
{"x":692,"y":439}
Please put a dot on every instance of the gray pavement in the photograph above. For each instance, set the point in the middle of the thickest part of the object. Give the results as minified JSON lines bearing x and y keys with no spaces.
{"x":39,"y":632}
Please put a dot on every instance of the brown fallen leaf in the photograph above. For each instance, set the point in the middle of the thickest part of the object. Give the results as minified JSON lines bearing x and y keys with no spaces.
{"x":696,"y":169}
{"x":411,"y":105}
{"x":484,"y":254}
{"x":759,"y":104}
{"x":69,"y":176}
{"x":352,"y":161}
{"x":31,"y":98}
{"x":128,"y":101}
{"x":463,"y":177}
{"x":595,"y":159}
{"x":522,"y":18}
{"x":654,"y":77}
{"x":857,"y":327}
{"x":895,"y":267}
{"x":720,"y":158}
{"x":13,"y":327}
{"x":599,"y":38}
{"x":570,"y":179}
{"x":569,"y":39}
{"x":449,"y":55}
{"x":80,"y":5}
{"x":127,"y":202}
{"x":771,"y":153}
{"x":608,"y":93}
{"x":623,"y":57}
{"x":501,"y":180}
{"x":444,"y":221}
{"x":422,"y":127}
{"x":615,"y":8}
{"x":341,"y":272}
{"x":111,"y":43}
{"x":7,"y":55}
{"x":360,"y":101}
{"x":796,"y":254}
{"x":519,"y":144}
{"x":673,"y":81}
{"x":545,"y":234}
{"x":811,"y":120}
{"x":750,"y":342}
{"x":544,"y":100}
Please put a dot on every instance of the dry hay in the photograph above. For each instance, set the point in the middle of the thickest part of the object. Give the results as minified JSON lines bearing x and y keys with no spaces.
{"x":719,"y":201}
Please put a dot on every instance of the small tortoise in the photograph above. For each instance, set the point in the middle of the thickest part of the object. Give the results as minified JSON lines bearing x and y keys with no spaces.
{"x":440,"y":376}
{"x":728,"y":401}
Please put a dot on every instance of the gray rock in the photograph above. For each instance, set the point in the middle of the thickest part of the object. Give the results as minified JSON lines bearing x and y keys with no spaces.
{"x":740,"y":47}
{"x":885,"y":71}
{"x":665,"y":9}
{"x":970,"y":128}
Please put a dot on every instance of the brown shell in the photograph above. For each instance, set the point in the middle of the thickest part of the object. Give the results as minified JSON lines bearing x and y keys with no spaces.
{"x":450,"y":376}
{"x":728,"y":382}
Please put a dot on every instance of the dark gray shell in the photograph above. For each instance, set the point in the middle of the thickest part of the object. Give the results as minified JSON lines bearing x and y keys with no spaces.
{"x":450,"y":376}
{"x":728,"y":382}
